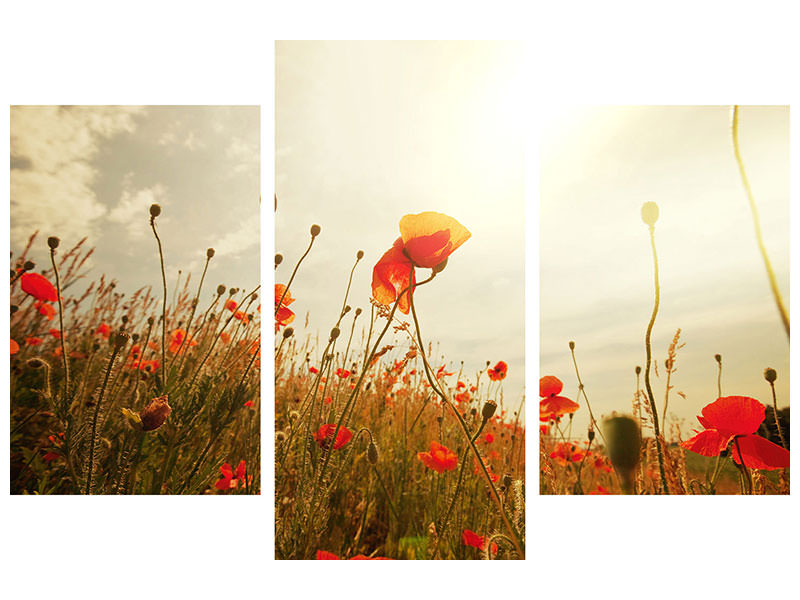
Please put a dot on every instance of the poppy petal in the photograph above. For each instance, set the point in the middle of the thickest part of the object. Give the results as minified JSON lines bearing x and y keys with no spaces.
{"x":739,"y":415}
{"x":391,"y":275}
{"x":760,"y":453}
{"x":708,"y":443}
{"x":550,"y":386}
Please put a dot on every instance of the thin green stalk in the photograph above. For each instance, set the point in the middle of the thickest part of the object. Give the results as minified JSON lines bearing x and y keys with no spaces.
{"x":164,"y":300}
{"x":66,"y":402}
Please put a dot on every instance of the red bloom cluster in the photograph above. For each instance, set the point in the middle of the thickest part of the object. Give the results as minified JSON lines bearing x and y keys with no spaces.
{"x":499,"y":371}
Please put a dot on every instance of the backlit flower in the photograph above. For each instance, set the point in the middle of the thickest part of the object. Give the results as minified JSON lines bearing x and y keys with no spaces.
{"x":14,"y":347}
{"x":440,"y":458}
{"x":283,"y":316}
{"x":498,"y":372}
{"x":39,"y":287}
{"x":470,"y":538}
{"x":426,"y":240}
{"x":325,"y":435}
{"x":737,"y":418}
{"x":228,"y":481}
{"x":103,"y":330}
{"x":177,"y":344}
{"x":553,"y":406}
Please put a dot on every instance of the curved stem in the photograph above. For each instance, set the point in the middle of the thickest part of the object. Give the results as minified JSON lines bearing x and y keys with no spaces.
{"x":61,"y":327}
{"x":163,"y":307}
{"x":297,"y":266}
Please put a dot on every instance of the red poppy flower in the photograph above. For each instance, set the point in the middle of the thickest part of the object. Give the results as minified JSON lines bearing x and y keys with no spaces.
{"x":103,"y":330}
{"x":499,"y":371}
{"x":33,"y":341}
{"x":240,"y":316}
{"x":325,"y":434}
{"x":228,"y":481}
{"x":14,"y":347}
{"x":313,"y":370}
{"x":176,"y":341}
{"x":283,"y":316}
{"x":39,"y":287}
{"x":737,"y":418}
{"x":48,"y":310}
{"x":553,"y":406}
{"x":565,"y":453}
{"x":343,"y":373}
{"x":55,"y":333}
{"x":230,"y":305}
{"x":224,"y":337}
{"x":442,"y":373}
{"x":600,"y":491}
{"x":426,"y":240}
{"x":440,"y":458}
{"x":470,"y":538}
{"x":489,"y":438}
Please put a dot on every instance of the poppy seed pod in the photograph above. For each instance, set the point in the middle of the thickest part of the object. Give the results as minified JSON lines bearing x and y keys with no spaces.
{"x":53,"y":242}
{"x":718,"y":358}
{"x":220,"y":289}
{"x":210,"y":253}
{"x":121,"y":339}
{"x":572,"y":345}
{"x":287,"y":333}
{"x":770,"y":374}
{"x":155,"y":210}
{"x":335,"y":333}
{"x":638,"y":369}
{"x":358,"y":311}
{"x":488,"y":410}
{"x":29,"y":265}
{"x":507,"y":481}
{"x":650,"y":213}
{"x":278,"y":259}
{"x":591,"y":433}
{"x":624,"y":440}
{"x":372,"y":453}
{"x":155,"y":414}
{"x":315,"y":229}
{"x":359,"y":255}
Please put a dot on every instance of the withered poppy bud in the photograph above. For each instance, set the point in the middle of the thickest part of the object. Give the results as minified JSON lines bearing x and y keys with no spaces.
{"x":155,"y":414}
{"x":278,"y":259}
{"x":53,"y":242}
{"x":315,"y":229}
{"x":210,"y":253}
{"x":440,"y":267}
{"x":220,"y":289}
{"x":346,"y":310}
{"x":155,"y":210}
{"x":718,"y":358}
{"x":287,"y":333}
{"x":770,"y":374}
{"x":572,"y":345}
{"x":372,"y":453}
{"x":488,"y":410}
{"x":650,"y":213}
{"x":150,"y":321}
{"x":232,"y":291}
{"x":121,"y":339}
{"x":507,"y":481}
{"x":335,"y":333}
{"x":358,"y":311}
{"x":638,"y":370}
{"x":359,"y":254}
{"x":29,"y":265}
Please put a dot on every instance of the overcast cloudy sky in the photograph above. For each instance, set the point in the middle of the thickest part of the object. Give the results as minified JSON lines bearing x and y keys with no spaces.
{"x":94,"y":171}
{"x":370,"y":131}
{"x":598,"y":166}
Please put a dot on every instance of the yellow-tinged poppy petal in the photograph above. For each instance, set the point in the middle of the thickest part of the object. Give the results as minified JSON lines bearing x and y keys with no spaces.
{"x":391,"y":275}
{"x":430,"y":237}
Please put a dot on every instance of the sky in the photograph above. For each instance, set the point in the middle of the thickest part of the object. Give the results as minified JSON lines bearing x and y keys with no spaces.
{"x":95,"y":170}
{"x":598,"y":166}
{"x":367,"y":132}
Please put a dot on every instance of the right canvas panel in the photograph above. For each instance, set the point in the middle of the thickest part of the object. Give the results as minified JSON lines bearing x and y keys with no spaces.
{"x":664,"y":302}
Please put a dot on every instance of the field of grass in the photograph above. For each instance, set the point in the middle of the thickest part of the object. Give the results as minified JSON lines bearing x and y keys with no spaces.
{"x":386,"y":450}
{"x":155,"y":392}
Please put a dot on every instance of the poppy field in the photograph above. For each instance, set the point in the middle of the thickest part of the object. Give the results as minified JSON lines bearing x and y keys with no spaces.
{"x":150,"y":392}
{"x":386,"y":450}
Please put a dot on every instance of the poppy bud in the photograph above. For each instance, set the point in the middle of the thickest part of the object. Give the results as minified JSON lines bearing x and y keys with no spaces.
{"x":155,"y":414}
{"x":507,"y":481}
{"x":29,"y":265}
{"x":124,"y":318}
{"x":210,"y":253}
{"x":220,"y":290}
{"x":287,"y":333}
{"x":718,"y":358}
{"x":334,"y":333}
{"x":440,"y":267}
{"x":572,"y":345}
{"x":358,"y":311}
{"x":624,"y":446}
{"x":770,"y":374}
{"x":473,"y":411}
{"x":359,"y":255}
{"x":35,"y":363}
{"x":53,"y":242}
{"x":650,"y":213}
{"x":346,"y":310}
{"x":121,"y":339}
{"x":280,"y":437}
{"x":135,"y":337}
{"x":278,"y":259}
{"x":315,"y":229}
{"x":150,"y":321}
{"x":155,"y":210}
{"x":96,"y":346}
{"x":488,"y":410}
{"x":638,"y":369}
{"x":591,"y":433}
{"x":372,"y":453}
{"x":439,"y":419}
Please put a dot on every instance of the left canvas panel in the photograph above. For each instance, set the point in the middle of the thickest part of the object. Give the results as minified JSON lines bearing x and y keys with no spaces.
{"x":135,"y":305}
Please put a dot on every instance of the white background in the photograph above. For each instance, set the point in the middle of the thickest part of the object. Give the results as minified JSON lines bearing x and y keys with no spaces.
{"x":222,"y":53}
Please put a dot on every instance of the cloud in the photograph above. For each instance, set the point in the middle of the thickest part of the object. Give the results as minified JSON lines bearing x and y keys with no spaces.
{"x":133,"y":207}
{"x":178,"y":135}
{"x":244,"y":155}
{"x":236,"y":242}
{"x":52,"y":177}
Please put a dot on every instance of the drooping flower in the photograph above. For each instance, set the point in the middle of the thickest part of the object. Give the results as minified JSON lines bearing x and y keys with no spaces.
{"x":283,"y":316}
{"x":325,"y":435}
{"x":498,"y":372}
{"x":737,"y":418}
{"x":39,"y":287}
{"x":155,"y":414}
{"x":440,"y":458}
{"x":426,"y":240}
{"x":228,"y":481}
{"x":553,"y":406}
